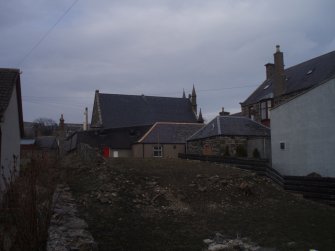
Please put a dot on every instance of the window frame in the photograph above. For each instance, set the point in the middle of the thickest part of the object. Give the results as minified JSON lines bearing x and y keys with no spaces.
{"x":265,"y":109}
{"x":157,"y":151}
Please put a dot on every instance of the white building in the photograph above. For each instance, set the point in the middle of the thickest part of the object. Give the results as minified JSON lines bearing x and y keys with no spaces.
{"x":302,"y":133}
{"x":11,"y":123}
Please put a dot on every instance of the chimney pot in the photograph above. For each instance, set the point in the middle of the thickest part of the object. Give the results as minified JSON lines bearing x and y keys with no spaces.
{"x":277,"y":48}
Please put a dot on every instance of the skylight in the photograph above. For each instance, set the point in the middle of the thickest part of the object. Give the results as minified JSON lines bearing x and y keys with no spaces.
{"x":309,"y":72}
{"x":266,"y":87}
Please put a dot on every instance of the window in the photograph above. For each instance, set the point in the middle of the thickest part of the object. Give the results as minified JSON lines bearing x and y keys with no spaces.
{"x":265,"y":109}
{"x":251,"y":112}
{"x":158,"y":151}
{"x":282,"y":145}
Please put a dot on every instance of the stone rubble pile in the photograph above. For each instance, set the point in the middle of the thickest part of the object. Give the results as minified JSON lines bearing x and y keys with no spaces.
{"x":221,"y":243}
{"x":66,"y":230}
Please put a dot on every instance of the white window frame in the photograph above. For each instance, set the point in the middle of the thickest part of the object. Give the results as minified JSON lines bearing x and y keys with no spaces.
{"x":157,"y":151}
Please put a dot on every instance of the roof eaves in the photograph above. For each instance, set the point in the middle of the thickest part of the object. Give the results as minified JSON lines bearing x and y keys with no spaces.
{"x":148,"y":132}
{"x":303,"y":92}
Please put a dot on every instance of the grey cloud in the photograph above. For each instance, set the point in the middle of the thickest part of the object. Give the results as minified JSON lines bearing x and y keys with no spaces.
{"x":155,"y":48}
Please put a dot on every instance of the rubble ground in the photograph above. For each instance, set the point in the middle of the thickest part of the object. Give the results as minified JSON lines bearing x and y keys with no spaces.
{"x":165,"y":204}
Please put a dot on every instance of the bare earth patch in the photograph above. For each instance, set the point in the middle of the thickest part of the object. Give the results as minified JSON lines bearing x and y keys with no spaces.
{"x":157,"y":204}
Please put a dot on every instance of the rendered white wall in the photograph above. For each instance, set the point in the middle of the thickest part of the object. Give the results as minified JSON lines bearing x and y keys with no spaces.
{"x":10,"y":141}
{"x":306,"y":125}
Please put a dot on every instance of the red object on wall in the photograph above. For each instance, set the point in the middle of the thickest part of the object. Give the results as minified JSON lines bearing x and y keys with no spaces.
{"x":105,"y":152}
{"x":266,"y":122}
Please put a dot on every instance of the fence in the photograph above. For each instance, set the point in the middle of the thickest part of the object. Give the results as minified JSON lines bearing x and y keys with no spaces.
{"x":317,"y":188}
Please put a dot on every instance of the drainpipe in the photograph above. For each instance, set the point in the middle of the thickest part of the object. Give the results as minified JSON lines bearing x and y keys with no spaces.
{"x":264,"y":147}
{"x":143,"y":150}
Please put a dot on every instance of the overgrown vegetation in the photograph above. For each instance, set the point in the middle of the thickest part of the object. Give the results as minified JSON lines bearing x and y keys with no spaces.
{"x":26,"y":205}
{"x":165,"y":204}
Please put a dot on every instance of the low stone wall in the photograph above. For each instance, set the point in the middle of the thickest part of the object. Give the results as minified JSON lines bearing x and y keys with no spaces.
{"x":66,"y":230}
{"x":88,"y":153}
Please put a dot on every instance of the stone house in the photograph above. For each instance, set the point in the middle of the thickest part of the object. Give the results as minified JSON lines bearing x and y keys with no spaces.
{"x":11,"y":122}
{"x":165,"y":139}
{"x":302,"y":132}
{"x":232,"y":136}
{"x":281,"y":84}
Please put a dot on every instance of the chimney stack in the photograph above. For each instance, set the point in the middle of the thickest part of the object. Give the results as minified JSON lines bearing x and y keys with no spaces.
{"x":279,"y":76}
{"x":223,"y":113}
{"x":85,"y":126}
{"x":61,"y":122}
{"x":270,"y":68}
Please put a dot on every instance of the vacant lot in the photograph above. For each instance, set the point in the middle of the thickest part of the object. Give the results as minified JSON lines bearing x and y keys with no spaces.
{"x":156,"y":204}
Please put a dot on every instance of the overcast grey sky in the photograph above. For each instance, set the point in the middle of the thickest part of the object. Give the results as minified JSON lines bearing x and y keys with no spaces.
{"x":154,"y":47}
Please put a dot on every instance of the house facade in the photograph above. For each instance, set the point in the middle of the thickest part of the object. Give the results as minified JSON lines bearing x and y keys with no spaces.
{"x":165,"y":139}
{"x":11,"y":122}
{"x":231,"y":136}
{"x":282,"y":84}
{"x":302,"y":133}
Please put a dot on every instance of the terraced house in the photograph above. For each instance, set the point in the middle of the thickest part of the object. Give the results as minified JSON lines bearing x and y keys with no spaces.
{"x":282,"y":84}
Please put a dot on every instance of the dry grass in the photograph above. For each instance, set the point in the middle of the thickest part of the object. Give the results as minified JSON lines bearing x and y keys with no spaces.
{"x":26,"y":206}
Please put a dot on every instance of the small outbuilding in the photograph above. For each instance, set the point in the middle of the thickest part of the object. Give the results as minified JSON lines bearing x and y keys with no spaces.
{"x":165,"y":139}
{"x":231,"y":136}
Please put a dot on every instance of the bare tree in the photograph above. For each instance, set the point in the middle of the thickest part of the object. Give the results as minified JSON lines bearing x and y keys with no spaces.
{"x":44,"y":126}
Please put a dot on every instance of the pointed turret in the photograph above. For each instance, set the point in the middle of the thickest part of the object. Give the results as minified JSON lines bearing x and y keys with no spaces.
{"x":200,"y":118}
{"x":194,"y":100}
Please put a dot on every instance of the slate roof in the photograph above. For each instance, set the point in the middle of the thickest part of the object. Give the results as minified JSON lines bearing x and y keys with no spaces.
{"x":298,"y":78}
{"x":133,"y":110}
{"x":8,"y":79}
{"x":170,"y":133}
{"x":231,"y":126}
{"x":47,"y":142}
{"x":116,"y":138}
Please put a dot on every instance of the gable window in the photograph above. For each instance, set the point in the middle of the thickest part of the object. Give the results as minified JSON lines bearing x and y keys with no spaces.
{"x":265,"y":109}
{"x":158,"y":151}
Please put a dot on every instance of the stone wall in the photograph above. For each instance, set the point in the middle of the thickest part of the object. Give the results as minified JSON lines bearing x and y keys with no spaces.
{"x":88,"y":153}
{"x":219,"y":146}
{"x":67,"y":231}
{"x":233,"y":146}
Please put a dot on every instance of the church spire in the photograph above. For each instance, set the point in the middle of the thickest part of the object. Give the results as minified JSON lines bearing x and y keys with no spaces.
{"x":193,"y":92}
{"x":184,"y":96}
{"x":194,"y":100}
{"x":200,"y":118}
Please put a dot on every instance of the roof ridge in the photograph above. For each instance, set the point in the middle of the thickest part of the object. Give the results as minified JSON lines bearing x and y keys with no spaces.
{"x":140,"y":95}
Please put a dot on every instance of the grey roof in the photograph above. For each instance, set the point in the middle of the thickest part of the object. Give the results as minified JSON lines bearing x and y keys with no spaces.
{"x":8,"y":79}
{"x":134,"y":110}
{"x":47,"y":142}
{"x":116,"y":138}
{"x":170,"y":133}
{"x":231,"y":126}
{"x":299,"y":77}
